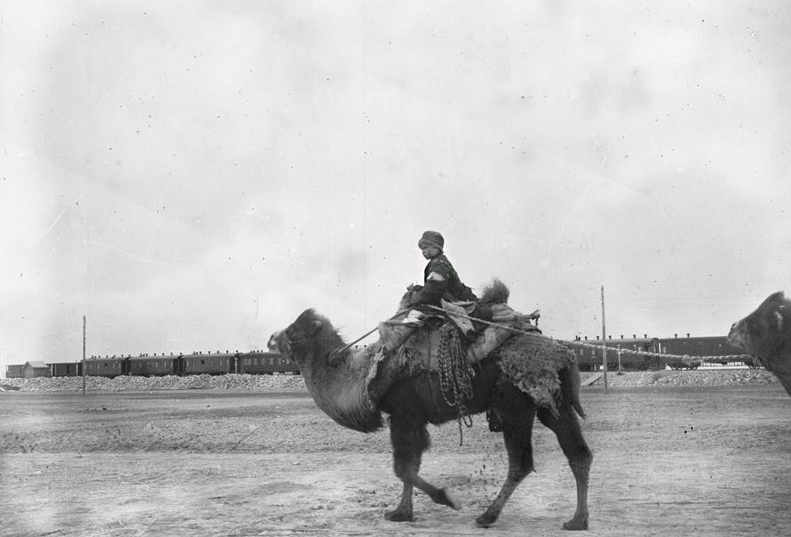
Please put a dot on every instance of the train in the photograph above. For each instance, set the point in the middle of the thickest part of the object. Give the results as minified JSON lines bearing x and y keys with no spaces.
{"x":653,"y":354}
{"x":198,"y":363}
{"x":633,"y":354}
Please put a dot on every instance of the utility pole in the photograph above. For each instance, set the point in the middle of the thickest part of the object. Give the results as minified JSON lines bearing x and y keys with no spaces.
{"x":603,"y":340}
{"x":83,"y":354}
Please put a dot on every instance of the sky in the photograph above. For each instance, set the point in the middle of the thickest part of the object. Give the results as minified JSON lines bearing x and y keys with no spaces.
{"x":190,"y":176}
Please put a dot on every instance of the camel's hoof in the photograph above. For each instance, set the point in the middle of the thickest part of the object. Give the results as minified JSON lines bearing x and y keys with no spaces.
{"x":485,"y":520}
{"x":399,"y":516}
{"x":446,"y":497}
{"x":576,"y":525}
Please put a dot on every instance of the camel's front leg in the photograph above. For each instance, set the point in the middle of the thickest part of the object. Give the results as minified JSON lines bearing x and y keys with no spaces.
{"x":409,"y":442}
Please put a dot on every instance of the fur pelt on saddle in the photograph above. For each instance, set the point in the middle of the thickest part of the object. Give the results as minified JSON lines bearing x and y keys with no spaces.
{"x":530,"y":361}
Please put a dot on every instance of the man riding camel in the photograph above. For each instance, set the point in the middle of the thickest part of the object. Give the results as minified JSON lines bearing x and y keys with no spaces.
{"x":442,"y":288}
{"x":442,"y":291}
{"x":440,"y":279}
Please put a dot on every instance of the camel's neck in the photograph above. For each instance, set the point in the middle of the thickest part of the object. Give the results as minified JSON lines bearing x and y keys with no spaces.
{"x":780,"y":365}
{"x":315,"y":359}
{"x":337,"y":387}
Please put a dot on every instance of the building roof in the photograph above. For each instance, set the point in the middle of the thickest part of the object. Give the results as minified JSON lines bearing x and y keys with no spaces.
{"x":37,"y":365}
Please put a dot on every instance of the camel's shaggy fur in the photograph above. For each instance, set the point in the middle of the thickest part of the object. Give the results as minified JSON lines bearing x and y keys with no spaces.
{"x":495,"y":293}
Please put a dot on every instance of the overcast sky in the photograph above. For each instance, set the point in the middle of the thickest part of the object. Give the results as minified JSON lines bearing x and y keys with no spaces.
{"x":193,"y":175}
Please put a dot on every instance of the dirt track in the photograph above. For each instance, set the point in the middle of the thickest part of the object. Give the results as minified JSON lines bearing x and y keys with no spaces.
{"x":669,"y":461}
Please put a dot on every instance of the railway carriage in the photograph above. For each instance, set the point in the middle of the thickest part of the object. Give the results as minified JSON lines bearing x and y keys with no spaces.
{"x":708,"y":346}
{"x":107,"y":367}
{"x":199,"y":363}
{"x":219,"y":363}
{"x":154,"y":366}
{"x":268,"y":363}
{"x":633,"y":354}
{"x":16,"y":371}
{"x":65,"y":369}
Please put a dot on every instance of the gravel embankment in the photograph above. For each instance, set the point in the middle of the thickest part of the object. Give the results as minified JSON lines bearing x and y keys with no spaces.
{"x":701,"y":377}
{"x":170,"y":382}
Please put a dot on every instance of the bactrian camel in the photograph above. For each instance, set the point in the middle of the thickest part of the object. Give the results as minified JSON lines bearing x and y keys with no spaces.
{"x":337,"y":382}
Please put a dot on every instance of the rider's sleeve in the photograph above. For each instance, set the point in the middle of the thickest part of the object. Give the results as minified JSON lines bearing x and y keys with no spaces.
{"x":433,"y":290}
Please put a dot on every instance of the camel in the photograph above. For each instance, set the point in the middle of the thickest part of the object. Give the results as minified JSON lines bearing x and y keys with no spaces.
{"x":336,"y":378}
{"x":766,"y":334}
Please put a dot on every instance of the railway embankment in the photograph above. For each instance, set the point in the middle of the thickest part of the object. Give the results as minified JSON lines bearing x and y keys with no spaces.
{"x":281,"y":382}
{"x":700,"y":377}
{"x":277,"y":382}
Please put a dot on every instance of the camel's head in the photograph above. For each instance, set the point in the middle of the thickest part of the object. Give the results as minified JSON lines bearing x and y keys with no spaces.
{"x":309,"y":330}
{"x":767,"y":330}
{"x":278,"y":342}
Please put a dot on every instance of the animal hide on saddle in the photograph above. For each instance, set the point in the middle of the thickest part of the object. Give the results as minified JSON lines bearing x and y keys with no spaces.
{"x":530,"y":360}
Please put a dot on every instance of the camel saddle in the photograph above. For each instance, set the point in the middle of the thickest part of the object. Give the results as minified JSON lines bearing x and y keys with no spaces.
{"x":410,"y":342}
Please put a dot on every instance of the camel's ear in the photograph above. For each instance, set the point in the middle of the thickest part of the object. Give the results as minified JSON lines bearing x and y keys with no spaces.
{"x":780,"y":321}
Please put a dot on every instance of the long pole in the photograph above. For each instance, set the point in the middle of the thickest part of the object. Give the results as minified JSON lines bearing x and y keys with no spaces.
{"x":603,"y":340}
{"x":83,"y":353}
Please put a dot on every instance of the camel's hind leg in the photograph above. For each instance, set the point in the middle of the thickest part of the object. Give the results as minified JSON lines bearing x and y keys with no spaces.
{"x":517,"y":433}
{"x":566,"y":427}
{"x":409,"y":441}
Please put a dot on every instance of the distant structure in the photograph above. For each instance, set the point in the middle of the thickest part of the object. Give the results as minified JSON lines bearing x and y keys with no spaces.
{"x":35,"y":369}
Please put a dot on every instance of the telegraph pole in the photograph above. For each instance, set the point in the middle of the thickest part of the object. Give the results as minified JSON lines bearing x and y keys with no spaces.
{"x":83,"y":354}
{"x":603,"y":340}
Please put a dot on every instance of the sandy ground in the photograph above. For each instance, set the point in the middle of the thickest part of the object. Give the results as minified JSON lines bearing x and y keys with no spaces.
{"x":706,"y":461}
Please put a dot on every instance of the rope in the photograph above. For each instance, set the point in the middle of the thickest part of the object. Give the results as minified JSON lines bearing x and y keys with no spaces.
{"x":348,"y":346}
{"x":336,"y":352}
{"x":712,"y":358}
{"x":455,"y":374}
{"x":534,"y":332}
